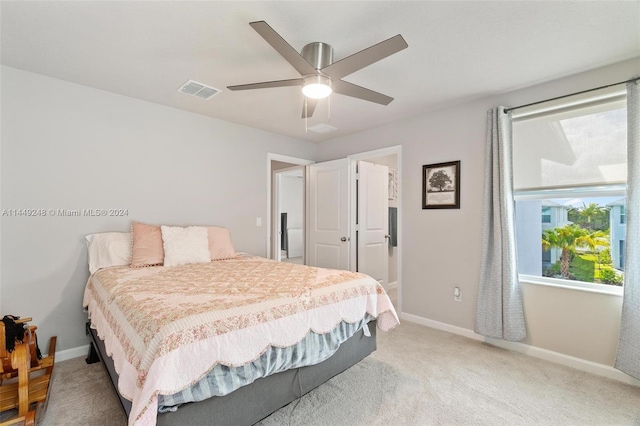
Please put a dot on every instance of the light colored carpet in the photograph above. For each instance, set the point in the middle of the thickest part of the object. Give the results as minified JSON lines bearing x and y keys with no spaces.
{"x":296,"y":260}
{"x":418,"y":376}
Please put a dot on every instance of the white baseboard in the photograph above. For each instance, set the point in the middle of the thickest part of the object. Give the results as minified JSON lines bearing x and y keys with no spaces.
{"x":558,"y":358}
{"x":71,"y":353}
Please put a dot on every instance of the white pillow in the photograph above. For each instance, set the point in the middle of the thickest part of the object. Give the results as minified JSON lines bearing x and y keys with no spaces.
{"x":185,"y":245}
{"x":108,"y":249}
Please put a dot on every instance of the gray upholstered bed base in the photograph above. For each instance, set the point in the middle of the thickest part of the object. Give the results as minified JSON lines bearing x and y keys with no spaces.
{"x":250,"y":404}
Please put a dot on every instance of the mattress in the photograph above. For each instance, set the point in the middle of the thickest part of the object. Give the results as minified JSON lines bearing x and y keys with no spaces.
{"x":167,"y":327}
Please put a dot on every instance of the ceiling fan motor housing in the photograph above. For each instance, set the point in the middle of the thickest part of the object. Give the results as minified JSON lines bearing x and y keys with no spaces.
{"x":318,"y":54}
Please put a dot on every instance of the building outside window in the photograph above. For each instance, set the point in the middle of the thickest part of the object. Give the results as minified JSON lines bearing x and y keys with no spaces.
{"x":570,"y":167}
{"x":618,"y":228}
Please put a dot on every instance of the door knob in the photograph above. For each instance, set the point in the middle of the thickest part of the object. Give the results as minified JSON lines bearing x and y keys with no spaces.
{"x":343,"y":239}
{"x":387,"y":236}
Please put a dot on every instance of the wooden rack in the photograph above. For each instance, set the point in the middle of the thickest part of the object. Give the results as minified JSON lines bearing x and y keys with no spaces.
{"x":24,"y":379}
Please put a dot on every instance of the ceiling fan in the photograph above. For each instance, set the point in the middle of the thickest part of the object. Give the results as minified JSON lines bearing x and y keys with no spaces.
{"x":320,"y":76}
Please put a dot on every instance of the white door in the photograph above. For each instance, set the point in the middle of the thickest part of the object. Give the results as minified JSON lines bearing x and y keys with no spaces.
{"x":373,"y":221}
{"x":329,"y":214}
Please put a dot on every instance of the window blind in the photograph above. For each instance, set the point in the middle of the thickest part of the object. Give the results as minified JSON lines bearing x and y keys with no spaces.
{"x":575,"y":144}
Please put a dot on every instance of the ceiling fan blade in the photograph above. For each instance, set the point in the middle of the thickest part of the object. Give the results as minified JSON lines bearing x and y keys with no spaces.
{"x":283,"y":48}
{"x":365,"y":57}
{"x":310,"y":105}
{"x":350,"y":89}
{"x":268,"y":84}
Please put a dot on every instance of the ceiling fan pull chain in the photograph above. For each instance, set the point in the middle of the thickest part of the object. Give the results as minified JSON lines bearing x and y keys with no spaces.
{"x":306,"y":116}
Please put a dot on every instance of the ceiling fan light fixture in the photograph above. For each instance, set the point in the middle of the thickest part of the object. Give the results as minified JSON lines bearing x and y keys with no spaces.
{"x":317,"y":86}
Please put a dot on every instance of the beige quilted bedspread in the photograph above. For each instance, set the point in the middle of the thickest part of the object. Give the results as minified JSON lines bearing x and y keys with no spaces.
{"x":165,"y":327}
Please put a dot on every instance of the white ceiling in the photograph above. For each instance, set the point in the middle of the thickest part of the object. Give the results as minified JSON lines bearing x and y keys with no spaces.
{"x":457,"y":51}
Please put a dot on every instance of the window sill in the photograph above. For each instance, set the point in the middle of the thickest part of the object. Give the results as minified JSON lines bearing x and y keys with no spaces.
{"x":572,"y":285}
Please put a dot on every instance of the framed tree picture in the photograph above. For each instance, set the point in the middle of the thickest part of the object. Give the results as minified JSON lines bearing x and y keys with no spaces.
{"x":441,"y":185}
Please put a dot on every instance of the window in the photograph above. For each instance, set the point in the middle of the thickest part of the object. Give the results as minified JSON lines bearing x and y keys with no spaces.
{"x":569,"y":170}
{"x":546,"y":257}
{"x":623,"y":215}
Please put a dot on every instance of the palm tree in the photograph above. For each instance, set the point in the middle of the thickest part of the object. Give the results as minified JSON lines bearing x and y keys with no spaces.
{"x":592,"y":216}
{"x":570,"y":238}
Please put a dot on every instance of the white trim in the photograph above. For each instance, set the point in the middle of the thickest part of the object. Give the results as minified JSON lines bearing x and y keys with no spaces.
{"x":392,"y":285}
{"x":610,"y":290}
{"x":439,"y":325}
{"x":610,"y":189}
{"x":275,"y":243}
{"x":71,"y":353}
{"x":285,"y":159}
{"x":382,"y":152}
{"x":556,"y":357}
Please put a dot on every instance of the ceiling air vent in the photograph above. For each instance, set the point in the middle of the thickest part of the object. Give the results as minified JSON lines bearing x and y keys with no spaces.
{"x":322,"y":128}
{"x":198,"y":90}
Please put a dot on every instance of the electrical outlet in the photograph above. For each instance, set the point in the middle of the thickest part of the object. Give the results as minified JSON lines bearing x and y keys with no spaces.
{"x":457,"y":294}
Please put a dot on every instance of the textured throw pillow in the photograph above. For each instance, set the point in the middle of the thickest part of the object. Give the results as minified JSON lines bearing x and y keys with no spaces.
{"x":220,"y":245}
{"x":146,"y":245}
{"x":108,"y":249}
{"x":185,"y":245}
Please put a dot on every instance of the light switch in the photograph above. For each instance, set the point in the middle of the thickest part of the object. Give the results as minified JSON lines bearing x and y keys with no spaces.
{"x":259,"y":221}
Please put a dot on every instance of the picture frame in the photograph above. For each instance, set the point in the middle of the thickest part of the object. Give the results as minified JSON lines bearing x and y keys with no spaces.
{"x":441,"y":185}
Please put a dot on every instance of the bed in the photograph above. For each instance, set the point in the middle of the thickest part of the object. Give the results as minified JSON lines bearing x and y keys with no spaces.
{"x":256,"y":333}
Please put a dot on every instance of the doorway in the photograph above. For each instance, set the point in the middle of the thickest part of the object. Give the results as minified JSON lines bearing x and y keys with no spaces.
{"x":289,"y":214}
{"x":282,"y":165}
{"x":389,"y":157}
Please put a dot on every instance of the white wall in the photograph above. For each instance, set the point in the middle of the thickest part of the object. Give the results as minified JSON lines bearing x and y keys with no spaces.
{"x":577,"y":323}
{"x":66,"y":146}
{"x":441,"y":248}
{"x":292,"y":200}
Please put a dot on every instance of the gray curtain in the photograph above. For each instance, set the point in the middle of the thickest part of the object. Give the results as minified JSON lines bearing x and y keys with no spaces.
{"x":628,"y":357}
{"x":499,"y":310}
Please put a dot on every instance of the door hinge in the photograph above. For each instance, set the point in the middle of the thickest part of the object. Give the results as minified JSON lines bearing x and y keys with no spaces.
{"x":357,"y":176}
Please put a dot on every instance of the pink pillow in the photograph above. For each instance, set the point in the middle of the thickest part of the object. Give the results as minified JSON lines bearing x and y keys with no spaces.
{"x":220,"y":245}
{"x":146,"y":245}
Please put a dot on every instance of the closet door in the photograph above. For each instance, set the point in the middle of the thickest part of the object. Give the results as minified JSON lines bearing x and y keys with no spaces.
{"x":373,"y":221}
